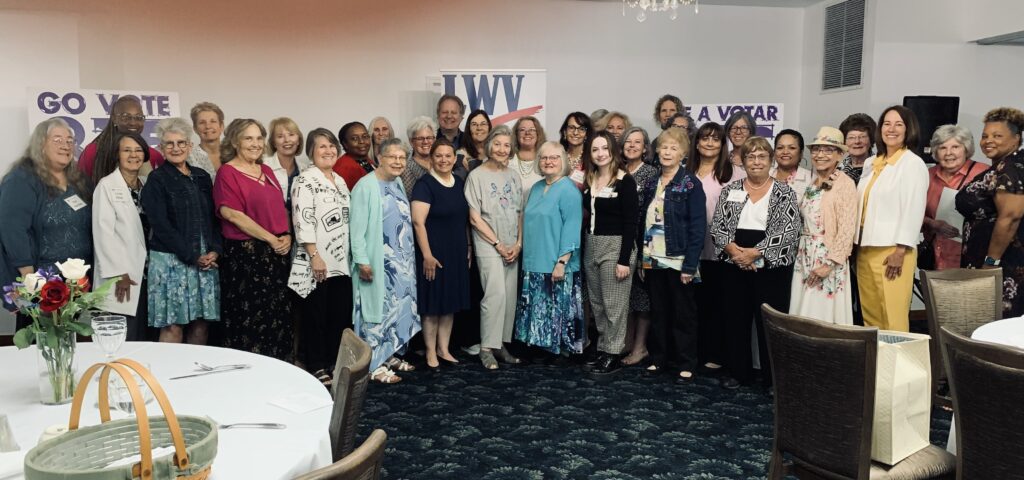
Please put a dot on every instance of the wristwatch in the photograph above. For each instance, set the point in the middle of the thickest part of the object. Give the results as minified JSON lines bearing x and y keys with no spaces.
{"x":563,"y":262}
{"x":992,"y":262}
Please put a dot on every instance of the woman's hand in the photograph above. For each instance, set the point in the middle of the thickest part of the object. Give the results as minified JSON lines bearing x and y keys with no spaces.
{"x":365,"y":272}
{"x":207,"y":261}
{"x":894,"y":263}
{"x":558,"y":274}
{"x":430,"y":264}
{"x":621,"y":272}
{"x":319,"y":269}
{"x":818,"y":275}
{"x":685,"y":278}
{"x":123,"y":288}
{"x":944,"y":229}
{"x":281,"y":245}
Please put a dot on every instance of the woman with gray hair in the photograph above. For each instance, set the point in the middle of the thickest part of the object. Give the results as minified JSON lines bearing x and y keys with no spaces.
{"x":421,"y":136}
{"x":550,"y":310}
{"x":44,"y":203}
{"x":494,"y":193}
{"x":183,"y":288}
{"x":739,"y":127}
{"x":952,"y":147}
{"x":380,"y":130}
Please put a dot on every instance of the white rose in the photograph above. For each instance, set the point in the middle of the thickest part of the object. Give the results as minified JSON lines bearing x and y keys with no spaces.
{"x":33,"y":282}
{"x":73,"y":269}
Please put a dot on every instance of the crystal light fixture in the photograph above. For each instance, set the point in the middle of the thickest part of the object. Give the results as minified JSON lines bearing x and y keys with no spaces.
{"x":671,"y":6}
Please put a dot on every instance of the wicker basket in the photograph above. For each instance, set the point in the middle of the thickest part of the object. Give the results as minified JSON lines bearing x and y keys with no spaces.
{"x":83,"y":453}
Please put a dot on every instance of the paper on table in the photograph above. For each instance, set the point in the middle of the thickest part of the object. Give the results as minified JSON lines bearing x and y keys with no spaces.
{"x":301,"y":402}
{"x":12,"y":464}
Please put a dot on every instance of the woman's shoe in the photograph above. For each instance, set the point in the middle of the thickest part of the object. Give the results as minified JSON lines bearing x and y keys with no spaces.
{"x":609,"y":364}
{"x":385,"y":375}
{"x":505,"y":356}
{"x":729,"y":383}
{"x":488,"y":360}
{"x":651,"y":371}
{"x":685,"y":377}
{"x":444,"y":362}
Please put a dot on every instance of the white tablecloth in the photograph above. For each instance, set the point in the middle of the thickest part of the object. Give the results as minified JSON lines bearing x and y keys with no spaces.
{"x":236,"y":396}
{"x":1005,"y":332}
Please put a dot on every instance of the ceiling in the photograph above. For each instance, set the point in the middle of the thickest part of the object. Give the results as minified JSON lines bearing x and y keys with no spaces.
{"x":755,"y":3}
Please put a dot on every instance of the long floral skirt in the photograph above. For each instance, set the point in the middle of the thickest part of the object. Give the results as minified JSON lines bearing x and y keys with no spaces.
{"x":549,"y":314}
{"x":179,"y":293}
{"x":255,"y":306}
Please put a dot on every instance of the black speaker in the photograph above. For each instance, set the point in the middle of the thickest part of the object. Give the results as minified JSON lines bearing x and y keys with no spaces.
{"x":932,"y":112}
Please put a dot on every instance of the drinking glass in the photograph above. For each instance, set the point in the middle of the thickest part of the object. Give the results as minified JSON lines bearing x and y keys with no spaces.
{"x":109,"y":332}
{"x":120,"y":396}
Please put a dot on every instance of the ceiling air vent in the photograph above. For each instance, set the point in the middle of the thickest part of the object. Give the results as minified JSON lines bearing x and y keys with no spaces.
{"x":1015,"y":38}
{"x":844,"y":45}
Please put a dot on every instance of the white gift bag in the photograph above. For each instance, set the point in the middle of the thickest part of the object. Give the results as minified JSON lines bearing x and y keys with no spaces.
{"x":903,"y":401}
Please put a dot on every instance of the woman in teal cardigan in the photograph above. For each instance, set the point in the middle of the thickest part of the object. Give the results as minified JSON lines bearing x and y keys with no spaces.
{"x":384,"y":256}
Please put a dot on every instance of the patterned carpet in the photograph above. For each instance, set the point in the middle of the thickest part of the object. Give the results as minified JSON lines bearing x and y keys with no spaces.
{"x":539,"y":422}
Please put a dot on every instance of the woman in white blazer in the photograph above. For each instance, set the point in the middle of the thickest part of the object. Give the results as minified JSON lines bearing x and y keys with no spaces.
{"x":893,"y":191}
{"x":119,"y":233}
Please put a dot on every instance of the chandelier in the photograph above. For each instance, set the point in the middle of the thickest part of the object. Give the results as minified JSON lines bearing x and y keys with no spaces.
{"x":671,"y":6}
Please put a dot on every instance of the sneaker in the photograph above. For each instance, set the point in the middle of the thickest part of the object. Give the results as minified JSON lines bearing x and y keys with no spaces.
{"x":472,"y":350}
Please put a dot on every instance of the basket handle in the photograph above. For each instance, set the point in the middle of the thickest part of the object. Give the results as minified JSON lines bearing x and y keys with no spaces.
{"x":124,"y":368}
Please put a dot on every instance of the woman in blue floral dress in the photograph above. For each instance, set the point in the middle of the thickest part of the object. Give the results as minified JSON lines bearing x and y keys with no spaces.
{"x":384,"y":256}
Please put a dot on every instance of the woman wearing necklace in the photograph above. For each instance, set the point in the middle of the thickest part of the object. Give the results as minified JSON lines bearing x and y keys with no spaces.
{"x":320,"y":274}
{"x":185,"y":246}
{"x":120,"y":229}
{"x":549,"y":314}
{"x":440,"y":218}
{"x":494,"y":194}
{"x":755,"y":229}
{"x":611,"y":233}
{"x":821,"y":279}
{"x":673,"y":235}
{"x":471,"y":155}
{"x":739,"y":127}
{"x":575,"y":131}
{"x":635,"y":152}
{"x":709,"y":162}
{"x":257,"y":243}
{"x":859,"y":135}
{"x":789,"y":152}
{"x":529,"y":134}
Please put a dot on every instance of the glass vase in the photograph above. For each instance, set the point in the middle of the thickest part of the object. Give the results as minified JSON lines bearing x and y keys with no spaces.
{"x":56,"y":367}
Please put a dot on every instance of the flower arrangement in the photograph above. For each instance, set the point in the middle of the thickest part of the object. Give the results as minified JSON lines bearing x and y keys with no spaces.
{"x":55,"y":302}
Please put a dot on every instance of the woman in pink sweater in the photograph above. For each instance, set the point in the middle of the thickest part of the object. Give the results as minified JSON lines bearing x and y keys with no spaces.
{"x":821,"y":278}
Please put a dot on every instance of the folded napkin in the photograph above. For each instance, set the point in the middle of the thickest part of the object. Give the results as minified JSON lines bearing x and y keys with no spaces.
{"x":301,"y":402}
{"x":12,"y":464}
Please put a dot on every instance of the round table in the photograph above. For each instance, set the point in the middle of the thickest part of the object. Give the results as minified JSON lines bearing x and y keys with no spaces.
{"x":226,"y":397}
{"x":1004,"y":332}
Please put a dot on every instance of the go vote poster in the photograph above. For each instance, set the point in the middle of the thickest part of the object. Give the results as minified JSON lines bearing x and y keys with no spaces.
{"x":768,"y":116}
{"x":506,"y":95}
{"x":88,"y":111}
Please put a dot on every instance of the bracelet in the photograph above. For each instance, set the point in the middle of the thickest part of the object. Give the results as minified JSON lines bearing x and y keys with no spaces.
{"x":314,"y":254}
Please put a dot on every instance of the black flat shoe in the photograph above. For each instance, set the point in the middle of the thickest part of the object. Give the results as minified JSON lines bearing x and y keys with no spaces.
{"x":447,"y":363}
{"x":592,"y":358}
{"x":681,"y":380}
{"x":650,"y":373}
{"x":729,"y":383}
{"x":608,"y":364}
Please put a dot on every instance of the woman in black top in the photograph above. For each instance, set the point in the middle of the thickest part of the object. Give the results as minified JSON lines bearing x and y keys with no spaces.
{"x":610,"y":200}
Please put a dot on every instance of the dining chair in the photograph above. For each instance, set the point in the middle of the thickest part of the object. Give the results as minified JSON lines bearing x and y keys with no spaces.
{"x":351,"y":376}
{"x":962,"y":300}
{"x":987,"y":383}
{"x":824,"y":404}
{"x":364,"y":463}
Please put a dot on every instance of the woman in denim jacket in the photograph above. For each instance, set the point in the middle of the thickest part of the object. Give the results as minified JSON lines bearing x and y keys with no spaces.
{"x":756,"y":228}
{"x":672,"y":236}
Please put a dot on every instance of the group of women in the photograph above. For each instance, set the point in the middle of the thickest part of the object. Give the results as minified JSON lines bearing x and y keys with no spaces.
{"x":655,"y":253}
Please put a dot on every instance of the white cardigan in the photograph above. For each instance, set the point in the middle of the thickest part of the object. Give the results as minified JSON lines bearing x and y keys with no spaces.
{"x":895,"y":209}
{"x":118,"y":240}
{"x":282,"y":176}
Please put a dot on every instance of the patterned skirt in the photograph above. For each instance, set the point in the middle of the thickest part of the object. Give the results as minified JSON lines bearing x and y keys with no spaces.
{"x":255,"y":301}
{"x":178,"y":293}
{"x":549,"y":314}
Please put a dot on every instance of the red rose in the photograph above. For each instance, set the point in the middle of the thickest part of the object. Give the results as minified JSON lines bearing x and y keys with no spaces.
{"x":54,"y":295}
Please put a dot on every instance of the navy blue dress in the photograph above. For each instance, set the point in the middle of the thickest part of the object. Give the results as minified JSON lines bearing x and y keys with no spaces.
{"x":446,"y":232}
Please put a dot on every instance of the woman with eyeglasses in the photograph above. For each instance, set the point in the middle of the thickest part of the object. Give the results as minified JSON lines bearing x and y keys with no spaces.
{"x":575,"y":131}
{"x":635,"y":154}
{"x":529,"y":136}
{"x":44,"y":204}
{"x":471,"y":155}
{"x":421,"y":136}
{"x":739,"y":127}
{"x":355,"y":163}
{"x":755,"y":229}
{"x":125,"y":117}
{"x":821,"y":278}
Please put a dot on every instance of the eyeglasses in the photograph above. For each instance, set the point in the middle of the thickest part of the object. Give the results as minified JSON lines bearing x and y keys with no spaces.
{"x":356,"y":138}
{"x":63,"y":140}
{"x":124,"y":117}
{"x":477,"y":124}
{"x":551,"y":158}
{"x":684,"y":127}
{"x":856,"y":138}
{"x":528,"y":131}
{"x":576,"y":128}
{"x":423,"y":139}
{"x":757,"y":156}
{"x":823,"y":150}
{"x":395,"y":157}
{"x":170,"y":145}
{"x":739,"y":129}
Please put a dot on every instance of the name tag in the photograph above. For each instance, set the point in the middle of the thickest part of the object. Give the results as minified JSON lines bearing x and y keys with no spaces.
{"x":607,"y":192}
{"x":737,"y":196}
{"x":75,"y":202}
{"x":577,"y":176}
{"x":120,"y":196}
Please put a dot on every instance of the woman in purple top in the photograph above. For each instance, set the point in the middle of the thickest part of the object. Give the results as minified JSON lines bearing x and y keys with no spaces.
{"x":255,"y":265}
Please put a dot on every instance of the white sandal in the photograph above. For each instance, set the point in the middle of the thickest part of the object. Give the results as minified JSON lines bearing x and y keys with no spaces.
{"x":399,"y":364}
{"x":384,"y":374}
